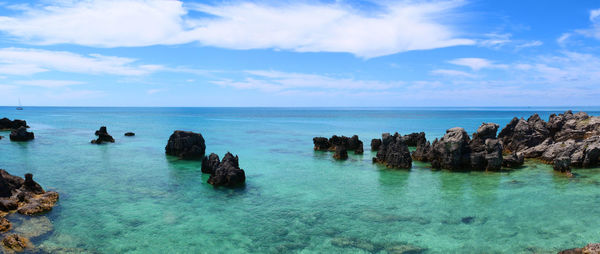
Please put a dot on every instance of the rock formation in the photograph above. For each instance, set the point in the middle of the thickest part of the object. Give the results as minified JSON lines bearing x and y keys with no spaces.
{"x":343,"y":142}
{"x":393,"y":152}
{"x":592,"y":248}
{"x":186,"y":145}
{"x":16,"y":242}
{"x":375,"y":144}
{"x":341,"y":153}
{"x":103,"y":136}
{"x":7,"y":124}
{"x":210,"y":163}
{"x":414,"y":138}
{"x":24,"y":195}
{"x":225,"y":173}
{"x":21,"y":134}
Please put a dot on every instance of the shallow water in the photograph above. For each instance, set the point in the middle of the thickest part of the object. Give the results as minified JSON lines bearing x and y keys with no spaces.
{"x":130,"y":197}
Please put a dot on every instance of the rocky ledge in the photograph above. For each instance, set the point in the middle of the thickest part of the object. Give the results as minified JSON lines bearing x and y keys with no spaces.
{"x":186,"y":145}
{"x":7,"y":124}
{"x":103,"y":136}
{"x":21,"y":134}
{"x":340,"y":145}
{"x":226,"y":172}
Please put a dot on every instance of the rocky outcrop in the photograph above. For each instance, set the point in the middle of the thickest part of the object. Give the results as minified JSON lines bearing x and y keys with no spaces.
{"x":393,"y":152}
{"x":21,"y":134}
{"x":348,"y":144}
{"x":103,"y":136}
{"x":375,"y":144}
{"x":16,"y":242}
{"x":7,"y":124}
{"x":451,"y":151}
{"x":340,"y":153}
{"x":210,"y":163}
{"x":227,"y":173}
{"x":513,"y":160}
{"x":592,"y":248}
{"x":186,"y":145}
{"x":24,"y":195}
{"x":576,"y":136}
{"x":129,"y":134}
{"x":414,"y":138}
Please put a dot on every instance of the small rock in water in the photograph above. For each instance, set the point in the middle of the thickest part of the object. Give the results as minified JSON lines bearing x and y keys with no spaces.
{"x":340,"y":153}
{"x":21,"y":134}
{"x":4,"y":225}
{"x":129,"y":134}
{"x":467,"y":220}
{"x":227,"y":173}
{"x":186,"y":145}
{"x":103,"y":136}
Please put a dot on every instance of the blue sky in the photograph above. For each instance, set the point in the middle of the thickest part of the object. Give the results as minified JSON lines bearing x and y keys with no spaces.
{"x":300,"y":53}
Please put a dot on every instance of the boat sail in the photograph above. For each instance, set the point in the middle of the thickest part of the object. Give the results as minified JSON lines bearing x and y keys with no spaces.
{"x":20,"y":107}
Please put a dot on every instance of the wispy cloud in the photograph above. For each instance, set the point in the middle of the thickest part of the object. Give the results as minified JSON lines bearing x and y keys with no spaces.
{"x":48,"y":83}
{"x":453,"y":73}
{"x":477,"y":64}
{"x":298,"y":26}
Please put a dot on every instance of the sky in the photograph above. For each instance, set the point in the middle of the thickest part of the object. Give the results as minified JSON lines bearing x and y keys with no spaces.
{"x":300,"y":53}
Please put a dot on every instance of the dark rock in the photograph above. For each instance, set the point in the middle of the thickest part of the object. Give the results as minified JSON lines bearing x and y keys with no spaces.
{"x":25,"y":195}
{"x":29,"y":185}
{"x":562,"y":164}
{"x":21,"y":134}
{"x":9,"y":183}
{"x":103,"y":136}
{"x":375,"y":144}
{"x":16,"y":242}
{"x":7,"y":124}
{"x":413,"y":139}
{"x":228,"y":173}
{"x":210,"y":163}
{"x":493,"y":155}
{"x":186,"y":145}
{"x":393,"y":152}
{"x":129,"y":134}
{"x":520,"y":134}
{"x":340,"y":153}
{"x":351,"y":144}
{"x":321,"y":143}
{"x":513,"y":160}
{"x":422,"y":151}
{"x":452,"y":151}
{"x":467,"y":220}
{"x":359,"y":149}
{"x":5,"y":225}
{"x":7,"y":204}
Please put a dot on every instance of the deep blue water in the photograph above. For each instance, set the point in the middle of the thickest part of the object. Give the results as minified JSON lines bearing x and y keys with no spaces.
{"x":130,"y":197}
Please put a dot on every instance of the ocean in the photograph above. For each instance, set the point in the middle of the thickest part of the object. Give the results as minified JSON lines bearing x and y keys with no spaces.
{"x":129,"y":197}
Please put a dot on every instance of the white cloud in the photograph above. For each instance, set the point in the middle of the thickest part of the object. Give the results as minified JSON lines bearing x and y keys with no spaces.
{"x":21,"y":61}
{"x":48,"y":83}
{"x":297,"y":26}
{"x":529,"y":44}
{"x":593,"y":31}
{"x":562,"y":40}
{"x":477,"y":64}
{"x":495,"y":40}
{"x":453,"y":73}
{"x":595,"y":16}
{"x":153,"y":91}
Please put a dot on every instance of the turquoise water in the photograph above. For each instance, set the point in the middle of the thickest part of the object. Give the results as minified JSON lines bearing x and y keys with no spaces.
{"x":128,"y":197}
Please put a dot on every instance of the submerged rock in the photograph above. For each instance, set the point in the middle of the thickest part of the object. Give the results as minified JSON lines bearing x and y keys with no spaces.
{"x":21,"y":134}
{"x":186,"y":145}
{"x":129,"y":134}
{"x":7,"y":124}
{"x":103,"y":136}
{"x":228,"y":172}
{"x":393,"y":152}
{"x":16,"y":242}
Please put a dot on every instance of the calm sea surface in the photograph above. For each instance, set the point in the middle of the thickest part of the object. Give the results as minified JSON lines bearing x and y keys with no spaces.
{"x":128,"y":197}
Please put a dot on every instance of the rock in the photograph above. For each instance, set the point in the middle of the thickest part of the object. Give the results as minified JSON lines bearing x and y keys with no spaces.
{"x":228,"y":173}
{"x":422,"y":151}
{"x":393,"y":152}
{"x":186,"y":145}
{"x":452,"y":151}
{"x":321,"y":143}
{"x":340,"y":153}
{"x":210,"y":163}
{"x":520,"y":134}
{"x":562,"y":164}
{"x":350,"y":144}
{"x":39,"y":204}
{"x":4,"y":225}
{"x":359,"y":149}
{"x":29,"y":185}
{"x":9,"y":183}
{"x":7,"y":124}
{"x":25,"y":195}
{"x":129,"y":134}
{"x":21,"y":134}
{"x":493,"y":155}
{"x":414,"y":138}
{"x":592,"y":248}
{"x":375,"y":144}
{"x":7,"y":205}
{"x":16,"y":242}
{"x":514,"y":160}
{"x":103,"y":136}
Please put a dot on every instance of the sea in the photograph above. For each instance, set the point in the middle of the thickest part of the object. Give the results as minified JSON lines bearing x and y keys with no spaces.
{"x":129,"y":197}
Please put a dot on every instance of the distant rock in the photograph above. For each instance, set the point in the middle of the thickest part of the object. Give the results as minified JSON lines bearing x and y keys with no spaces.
{"x":340,"y":153}
{"x":375,"y":144}
{"x":103,"y":136}
{"x":186,"y":145}
{"x":210,"y":163}
{"x":349,"y":144}
{"x":227,"y":173}
{"x":21,"y":134}
{"x":7,"y":124}
{"x":129,"y":134}
{"x":393,"y":152}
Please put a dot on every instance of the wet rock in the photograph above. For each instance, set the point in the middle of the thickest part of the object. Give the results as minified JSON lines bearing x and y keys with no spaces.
{"x":7,"y":204}
{"x":452,"y":151}
{"x":375,"y":144}
{"x":21,"y":134}
{"x":562,"y":164}
{"x":422,"y":151}
{"x":340,"y":153}
{"x":393,"y":152}
{"x":210,"y":163}
{"x":414,"y":138}
{"x":16,"y":242}
{"x":186,"y":145}
{"x":25,"y":195}
{"x":321,"y":143}
{"x":39,"y":204}
{"x":592,"y":248}
{"x":103,"y":136}
{"x":5,"y":225}
{"x":7,"y":124}
{"x":228,"y":173}
{"x":9,"y":183}
{"x":513,"y":160}
{"x":350,"y":144}
{"x":129,"y":134}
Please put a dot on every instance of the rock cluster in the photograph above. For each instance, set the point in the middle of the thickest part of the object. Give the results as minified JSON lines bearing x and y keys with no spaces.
{"x":7,"y":124}
{"x":226,"y":172}
{"x":21,"y":134}
{"x":103,"y":136}
{"x":393,"y":152}
{"x":186,"y":145}
{"x":410,"y":139}
{"x":566,"y":140}
{"x":340,"y":145}
{"x":592,"y":248}
{"x":16,"y":242}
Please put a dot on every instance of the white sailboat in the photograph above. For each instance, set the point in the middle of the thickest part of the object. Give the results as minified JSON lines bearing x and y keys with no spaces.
{"x":20,"y":107}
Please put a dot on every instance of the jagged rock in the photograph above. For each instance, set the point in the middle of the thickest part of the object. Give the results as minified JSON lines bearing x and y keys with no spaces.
{"x":39,"y":204}
{"x":393,"y":152}
{"x":21,"y":134}
{"x":129,"y":134}
{"x":9,"y":183}
{"x":350,"y":144}
{"x":493,"y":155}
{"x":228,"y":172}
{"x":451,"y":151}
{"x":5,"y":225}
{"x":210,"y":163}
{"x":422,"y":151}
{"x":562,"y":164}
{"x":103,"y":136}
{"x":7,"y":124}
{"x":16,"y":242}
{"x":186,"y":145}
{"x":414,"y":138}
{"x":359,"y":149}
{"x":520,"y":134}
{"x":7,"y":204}
{"x":25,"y":195}
{"x":321,"y":143}
{"x":513,"y":160}
{"x":375,"y":144}
{"x":340,"y":153}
